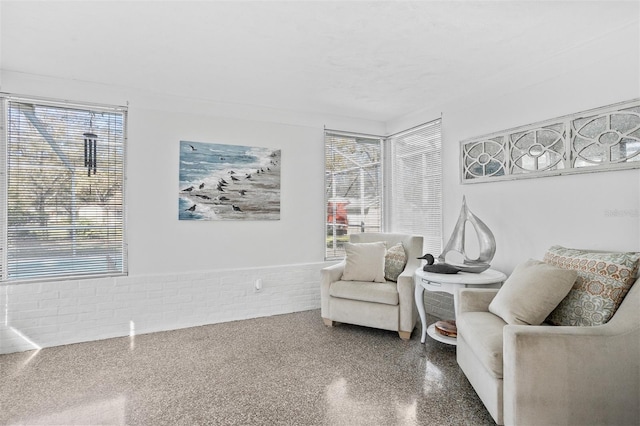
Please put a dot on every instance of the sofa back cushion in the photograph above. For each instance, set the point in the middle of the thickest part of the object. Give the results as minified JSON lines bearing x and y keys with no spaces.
{"x":604,"y":279}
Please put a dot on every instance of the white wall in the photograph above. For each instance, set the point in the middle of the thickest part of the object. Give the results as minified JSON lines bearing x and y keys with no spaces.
{"x":38,"y":315}
{"x":595,"y":210}
{"x":185,"y":273}
{"x":159,"y":243}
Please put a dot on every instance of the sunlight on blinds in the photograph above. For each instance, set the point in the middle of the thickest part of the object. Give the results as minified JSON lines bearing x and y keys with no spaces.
{"x":415,"y":184}
{"x":59,"y":220}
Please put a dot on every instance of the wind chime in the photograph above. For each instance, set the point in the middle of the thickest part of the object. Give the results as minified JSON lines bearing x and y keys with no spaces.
{"x":90,"y":148}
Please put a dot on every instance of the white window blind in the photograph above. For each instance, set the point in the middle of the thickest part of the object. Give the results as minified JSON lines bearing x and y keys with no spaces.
{"x":353,"y":188}
{"x":414,"y":189}
{"x":62,"y":195}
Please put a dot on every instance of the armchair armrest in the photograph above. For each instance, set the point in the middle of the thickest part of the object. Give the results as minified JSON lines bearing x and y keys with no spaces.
{"x":474,"y":299}
{"x":334,"y":272}
{"x":406,"y":289}
{"x":571,"y":375}
{"x":406,"y":282}
{"x":328,"y":275}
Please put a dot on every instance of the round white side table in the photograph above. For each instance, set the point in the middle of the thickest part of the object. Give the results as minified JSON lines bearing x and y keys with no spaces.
{"x":449,"y":283}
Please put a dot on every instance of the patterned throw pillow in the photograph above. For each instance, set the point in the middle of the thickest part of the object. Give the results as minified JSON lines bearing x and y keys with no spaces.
{"x":604,"y":279}
{"x":394,"y":262}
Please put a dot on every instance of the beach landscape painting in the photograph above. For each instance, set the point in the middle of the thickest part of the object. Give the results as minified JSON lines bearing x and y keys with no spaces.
{"x":228,"y":182}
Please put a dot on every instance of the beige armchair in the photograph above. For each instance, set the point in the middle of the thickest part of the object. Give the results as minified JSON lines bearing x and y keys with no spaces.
{"x":548,"y":375}
{"x":388,"y":306}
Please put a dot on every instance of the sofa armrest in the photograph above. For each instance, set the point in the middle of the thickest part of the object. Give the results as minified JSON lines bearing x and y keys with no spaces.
{"x":328,"y":275}
{"x":474,"y":299}
{"x":571,"y":375}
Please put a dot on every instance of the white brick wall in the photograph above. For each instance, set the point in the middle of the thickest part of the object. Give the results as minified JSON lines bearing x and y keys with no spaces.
{"x":439,"y":304}
{"x":57,"y":313}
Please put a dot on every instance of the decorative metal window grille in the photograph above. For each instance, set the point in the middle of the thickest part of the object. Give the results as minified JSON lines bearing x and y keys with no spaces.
{"x":607,"y":138}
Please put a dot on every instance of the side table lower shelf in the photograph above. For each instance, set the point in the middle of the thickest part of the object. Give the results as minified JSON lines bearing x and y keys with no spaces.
{"x":431,"y":331}
{"x":448,"y":283}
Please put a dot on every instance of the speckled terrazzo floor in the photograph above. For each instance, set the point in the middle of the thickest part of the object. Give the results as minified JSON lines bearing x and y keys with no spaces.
{"x":281,"y":370}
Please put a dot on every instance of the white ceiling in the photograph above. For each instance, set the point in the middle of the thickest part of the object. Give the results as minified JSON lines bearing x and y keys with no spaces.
{"x":370,"y":60}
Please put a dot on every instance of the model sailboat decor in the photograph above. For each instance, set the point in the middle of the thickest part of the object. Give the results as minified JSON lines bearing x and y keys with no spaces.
{"x":486,"y":241}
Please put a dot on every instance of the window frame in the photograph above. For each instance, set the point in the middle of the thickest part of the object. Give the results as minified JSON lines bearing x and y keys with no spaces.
{"x":118,"y":242}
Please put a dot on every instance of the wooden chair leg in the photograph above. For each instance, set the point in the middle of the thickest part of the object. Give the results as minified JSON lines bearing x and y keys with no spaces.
{"x":405,"y":335}
{"x":327,"y":322}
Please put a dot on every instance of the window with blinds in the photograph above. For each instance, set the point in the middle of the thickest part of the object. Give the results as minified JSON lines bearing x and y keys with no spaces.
{"x":353,"y":188}
{"x":414,"y":189}
{"x":408,"y":201}
{"x":62,"y":190}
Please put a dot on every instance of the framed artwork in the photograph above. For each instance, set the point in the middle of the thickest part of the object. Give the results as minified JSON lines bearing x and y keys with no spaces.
{"x":228,"y":182}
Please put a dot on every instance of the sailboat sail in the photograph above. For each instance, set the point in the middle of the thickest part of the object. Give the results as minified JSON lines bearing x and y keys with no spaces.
{"x":486,"y":242}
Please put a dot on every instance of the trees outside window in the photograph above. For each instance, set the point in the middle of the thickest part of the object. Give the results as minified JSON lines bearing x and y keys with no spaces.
{"x":61,"y":217}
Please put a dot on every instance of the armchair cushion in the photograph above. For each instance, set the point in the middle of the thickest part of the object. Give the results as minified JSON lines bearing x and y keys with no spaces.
{"x":604,"y":279}
{"x":531,"y":292}
{"x":394,"y":262}
{"x":364,"y":262}
{"x":386,"y":293}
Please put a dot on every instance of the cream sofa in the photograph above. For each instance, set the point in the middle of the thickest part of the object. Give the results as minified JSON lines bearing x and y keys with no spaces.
{"x":546,"y":375}
{"x":388,"y":306}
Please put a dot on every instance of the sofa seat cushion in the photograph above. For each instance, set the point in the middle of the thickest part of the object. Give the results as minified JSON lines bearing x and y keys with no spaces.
{"x":386,"y":293}
{"x":483,"y":333}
